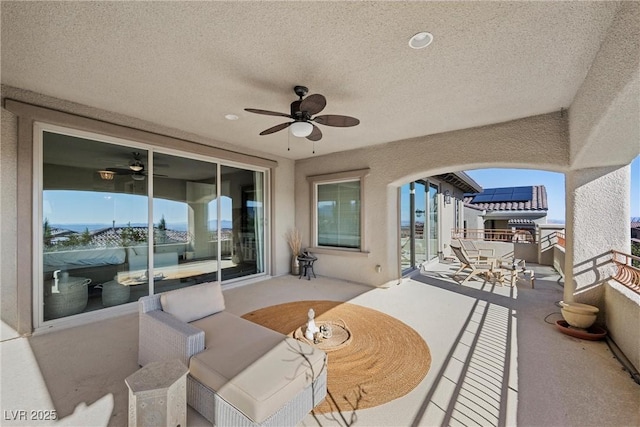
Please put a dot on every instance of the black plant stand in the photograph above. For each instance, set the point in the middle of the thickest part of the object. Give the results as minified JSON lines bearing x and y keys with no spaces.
{"x":305,"y":262}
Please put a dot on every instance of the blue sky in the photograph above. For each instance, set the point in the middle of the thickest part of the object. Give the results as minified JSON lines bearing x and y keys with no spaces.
{"x":554,"y":183}
{"x":88,"y":207}
{"x":63,"y":207}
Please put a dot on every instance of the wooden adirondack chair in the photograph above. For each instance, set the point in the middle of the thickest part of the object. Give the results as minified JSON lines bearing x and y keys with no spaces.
{"x":488,"y":267}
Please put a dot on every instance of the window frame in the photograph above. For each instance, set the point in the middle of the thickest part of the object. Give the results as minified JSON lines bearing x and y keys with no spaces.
{"x":36,"y":245}
{"x":335,"y":178}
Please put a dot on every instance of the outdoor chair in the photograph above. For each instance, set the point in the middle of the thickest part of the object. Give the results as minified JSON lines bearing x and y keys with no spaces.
{"x":487,"y":267}
{"x":514,"y":265}
{"x":474,"y":252}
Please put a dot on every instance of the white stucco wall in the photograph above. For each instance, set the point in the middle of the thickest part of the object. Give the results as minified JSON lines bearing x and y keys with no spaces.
{"x":603,"y":117}
{"x":597,"y":215}
{"x":547,"y":244}
{"x":8,"y":218}
{"x":282,"y":215}
{"x":446,"y":217}
{"x":539,"y":142}
{"x":622,"y":316}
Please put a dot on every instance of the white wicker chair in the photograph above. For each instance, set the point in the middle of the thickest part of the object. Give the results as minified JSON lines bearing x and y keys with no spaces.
{"x":164,"y":337}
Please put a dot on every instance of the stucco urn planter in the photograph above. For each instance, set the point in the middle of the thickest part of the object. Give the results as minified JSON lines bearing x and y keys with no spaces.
{"x":579,"y":315}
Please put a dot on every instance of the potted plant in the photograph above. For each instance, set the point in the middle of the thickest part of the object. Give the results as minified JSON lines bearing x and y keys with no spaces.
{"x":294,"y":239}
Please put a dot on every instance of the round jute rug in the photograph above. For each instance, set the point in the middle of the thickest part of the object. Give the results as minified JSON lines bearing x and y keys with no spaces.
{"x":384,"y":360}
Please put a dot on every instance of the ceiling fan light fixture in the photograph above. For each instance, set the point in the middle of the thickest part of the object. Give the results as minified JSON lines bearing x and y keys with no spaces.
{"x":301,"y":129}
{"x":137,"y":176}
{"x":420,"y":40}
{"x":107,"y":175}
{"x":136,"y":166}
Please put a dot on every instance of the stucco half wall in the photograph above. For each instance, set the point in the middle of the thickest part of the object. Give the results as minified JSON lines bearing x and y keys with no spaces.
{"x":539,"y":142}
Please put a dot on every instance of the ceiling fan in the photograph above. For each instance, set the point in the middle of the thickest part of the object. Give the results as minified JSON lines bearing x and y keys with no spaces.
{"x":302,"y":111}
{"x":136,"y":168}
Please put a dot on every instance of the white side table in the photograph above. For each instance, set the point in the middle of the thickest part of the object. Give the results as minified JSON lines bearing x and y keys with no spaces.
{"x":158,"y":395}
{"x":520,"y":266}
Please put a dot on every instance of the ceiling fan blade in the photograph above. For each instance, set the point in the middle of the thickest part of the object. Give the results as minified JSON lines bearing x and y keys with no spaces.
{"x":336,"y":120}
{"x":267,"y":113}
{"x":120,"y":171}
{"x":315,"y":134}
{"x":313,"y":104}
{"x":276,"y":128}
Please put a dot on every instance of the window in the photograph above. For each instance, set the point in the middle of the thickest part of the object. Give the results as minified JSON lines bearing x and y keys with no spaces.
{"x":338,"y":211}
{"x":339,"y":214}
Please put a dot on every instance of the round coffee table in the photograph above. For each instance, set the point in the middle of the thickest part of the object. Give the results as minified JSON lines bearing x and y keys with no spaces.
{"x":340,"y":336}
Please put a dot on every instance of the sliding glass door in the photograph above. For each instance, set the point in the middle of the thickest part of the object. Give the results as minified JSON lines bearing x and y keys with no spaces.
{"x":419,"y":223}
{"x":412,"y":237}
{"x":121,"y":220}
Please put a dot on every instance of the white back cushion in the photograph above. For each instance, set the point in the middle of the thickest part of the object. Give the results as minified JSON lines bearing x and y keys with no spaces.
{"x":194,"y":302}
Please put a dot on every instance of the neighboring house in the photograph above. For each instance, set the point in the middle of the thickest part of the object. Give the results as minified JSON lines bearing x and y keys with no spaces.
{"x":507,"y":208}
{"x":635,"y":228}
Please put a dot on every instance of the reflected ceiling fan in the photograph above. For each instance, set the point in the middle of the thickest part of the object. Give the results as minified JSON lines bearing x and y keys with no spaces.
{"x":302,"y":111}
{"x":136,"y":168}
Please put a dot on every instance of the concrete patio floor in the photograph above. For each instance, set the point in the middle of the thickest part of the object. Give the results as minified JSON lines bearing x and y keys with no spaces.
{"x":497,"y":359}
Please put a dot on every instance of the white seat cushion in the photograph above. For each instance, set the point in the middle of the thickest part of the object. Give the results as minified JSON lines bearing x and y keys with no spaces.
{"x":253,"y":368}
{"x":193,"y":302}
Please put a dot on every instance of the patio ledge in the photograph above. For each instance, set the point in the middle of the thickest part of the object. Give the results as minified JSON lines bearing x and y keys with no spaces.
{"x":340,"y":252}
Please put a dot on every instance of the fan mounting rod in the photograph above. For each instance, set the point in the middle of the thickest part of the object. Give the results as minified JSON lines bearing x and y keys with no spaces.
{"x":301,"y":91}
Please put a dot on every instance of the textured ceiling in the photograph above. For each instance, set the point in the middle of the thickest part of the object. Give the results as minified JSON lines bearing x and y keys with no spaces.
{"x":187,"y":64}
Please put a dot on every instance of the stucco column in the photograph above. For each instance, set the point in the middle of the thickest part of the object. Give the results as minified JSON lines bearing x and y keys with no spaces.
{"x":597,"y":220}
{"x":199,"y":229}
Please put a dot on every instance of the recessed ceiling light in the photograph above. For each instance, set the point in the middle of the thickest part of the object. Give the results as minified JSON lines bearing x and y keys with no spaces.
{"x":231,"y":117}
{"x":420,"y":40}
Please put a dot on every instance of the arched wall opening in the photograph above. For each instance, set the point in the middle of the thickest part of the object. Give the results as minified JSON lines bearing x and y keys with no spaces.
{"x":539,"y":142}
{"x":436,"y":209}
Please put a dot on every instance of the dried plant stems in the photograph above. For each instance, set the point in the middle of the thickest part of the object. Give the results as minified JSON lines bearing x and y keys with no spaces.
{"x":294,"y":238}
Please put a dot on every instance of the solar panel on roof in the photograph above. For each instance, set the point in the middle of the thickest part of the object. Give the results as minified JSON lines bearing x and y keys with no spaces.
{"x":503,"y":194}
{"x":482,"y":198}
{"x":528,"y":189}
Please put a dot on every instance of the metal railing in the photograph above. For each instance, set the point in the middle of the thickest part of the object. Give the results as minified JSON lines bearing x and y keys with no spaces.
{"x":560,"y":238}
{"x":628,"y":270}
{"x":495,"y":235}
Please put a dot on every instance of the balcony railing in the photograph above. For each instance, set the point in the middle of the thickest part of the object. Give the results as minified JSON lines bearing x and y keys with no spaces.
{"x":495,"y":235}
{"x":560,"y":238}
{"x":628,"y":270}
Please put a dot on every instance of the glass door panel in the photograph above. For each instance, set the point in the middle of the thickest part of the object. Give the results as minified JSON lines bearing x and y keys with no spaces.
{"x":185,"y":217}
{"x":420,"y":223}
{"x":94,"y":213}
{"x":406,"y":227}
{"x":432,"y":234}
{"x":242,"y":222}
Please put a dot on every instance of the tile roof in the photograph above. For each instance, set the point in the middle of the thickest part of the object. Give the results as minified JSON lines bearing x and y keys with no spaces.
{"x":537,"y":201}
{"x":112,"y":236}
